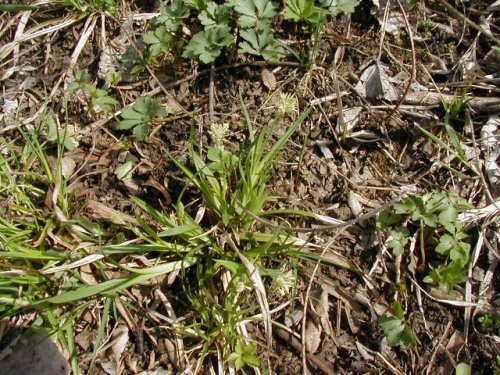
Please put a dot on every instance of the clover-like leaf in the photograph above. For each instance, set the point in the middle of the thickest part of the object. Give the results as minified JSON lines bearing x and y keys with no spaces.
{"x":396,"y":329}
{"x":208,"y":44}
{"x":302,"y":10}
{"x":172,"y":15}
{"x":139,"y":115}
{"x":244,"y":355}
{"x":160,"y":40}
{"x":336,"y":7}
{"x":101,"y":99}
{"x":398,"y":240}
{"x":447,"y":277}
{"x":214,"y":15}
{"x":255,"y":13}
{"x":260,"y":43}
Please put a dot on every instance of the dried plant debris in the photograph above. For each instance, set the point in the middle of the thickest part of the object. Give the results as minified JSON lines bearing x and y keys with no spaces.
{"x":375,"y":83}
{"x":200,"y":186}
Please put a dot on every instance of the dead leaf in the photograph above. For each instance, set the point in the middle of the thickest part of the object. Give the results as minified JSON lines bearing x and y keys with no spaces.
{"x":395,"y":19}
{"x":351,"y":117}
{"x":313,"y":335}
{"x":268,"y":79}
{"x":68,"y":166}
{"x":494,"y":7}
{"x":85,"y":339}
{"x":374,"y":83}
{"x":353,"y":201}
{"x":119,"y":341}
{"x":455,"y":343}
{"x":323,"y":147}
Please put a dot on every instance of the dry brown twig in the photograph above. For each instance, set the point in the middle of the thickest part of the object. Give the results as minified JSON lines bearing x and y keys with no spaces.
{"x":306,"y":302}
{"x":413,"y":62}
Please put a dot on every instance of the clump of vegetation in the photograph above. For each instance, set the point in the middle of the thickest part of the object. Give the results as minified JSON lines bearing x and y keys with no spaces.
{"x":249,"y":24}
{"x":445,"y":253}
{"x":140,"y":115}
{"x":398,"y":332}
{"x":99,"y":98}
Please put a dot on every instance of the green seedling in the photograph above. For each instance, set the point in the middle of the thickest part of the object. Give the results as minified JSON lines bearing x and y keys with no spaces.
{"x":223,"y":24}
{"x":244,"y":355}
{"x":207,"y":45}
{"x":396,"y":328}
{"x":57,"y":135}
{"x":140,"y":115}
{"x":489,"y":322}
{"x":302,"y":10}
{"x":159,"y":40}
{"x":98,"y":98}
{"x":336,"y":7}
{"x":437,"y":212}
{"x":260,"y":43}
{"x":254,"y":13}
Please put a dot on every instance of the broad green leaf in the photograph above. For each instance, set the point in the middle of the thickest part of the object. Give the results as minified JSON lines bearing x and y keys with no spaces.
{"x":214,"y":15}
{"x":397,"y":310}
{"x":393,"y":328}
{"x":254,"y":13}
{"x":462,"y":369}
{"x":400,"y":237}
{"x":141,"y":131}
{"x":197,"y":4}
{"x":101,"y":99}
{"x":448,"y":218}
{"x":386,"y":219}
{"x":159,"y":40}
{"x":172,"y":15}
{"x":446,"y":243}
{"x":409,"y":205}
{"x":302,"y":10}
{"x":127,"y":124}
{"x":260,"y":43}
{"x":208,"y":44}
{"x":140,"y":114}
{"x":396,"y":329}
{"x":460,"y":253}
{"x":131,"y":113}
{"x":336,"y":7}
{"x":447,"y":277}
{"x":124,"y":171}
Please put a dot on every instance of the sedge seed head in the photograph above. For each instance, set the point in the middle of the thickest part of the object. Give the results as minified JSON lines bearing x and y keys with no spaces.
{"x":283,"y":283}
{"x":287,"y":104}
{"x":218,"y":131}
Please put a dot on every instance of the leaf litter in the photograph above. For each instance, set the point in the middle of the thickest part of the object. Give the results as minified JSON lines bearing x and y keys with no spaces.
{"x":321,"y":171}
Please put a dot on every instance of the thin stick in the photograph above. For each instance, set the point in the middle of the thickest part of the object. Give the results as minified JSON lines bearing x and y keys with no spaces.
{"x":305,"y":370}
{"x":211,"y":94}
{"x":459,"y":15}
{"x":413,"y":62}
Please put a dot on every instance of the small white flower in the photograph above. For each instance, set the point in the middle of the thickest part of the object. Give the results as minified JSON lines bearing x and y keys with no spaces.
{"x":283,"y":283}
{"x":287,"y":104}
{"x":218,"y":131}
